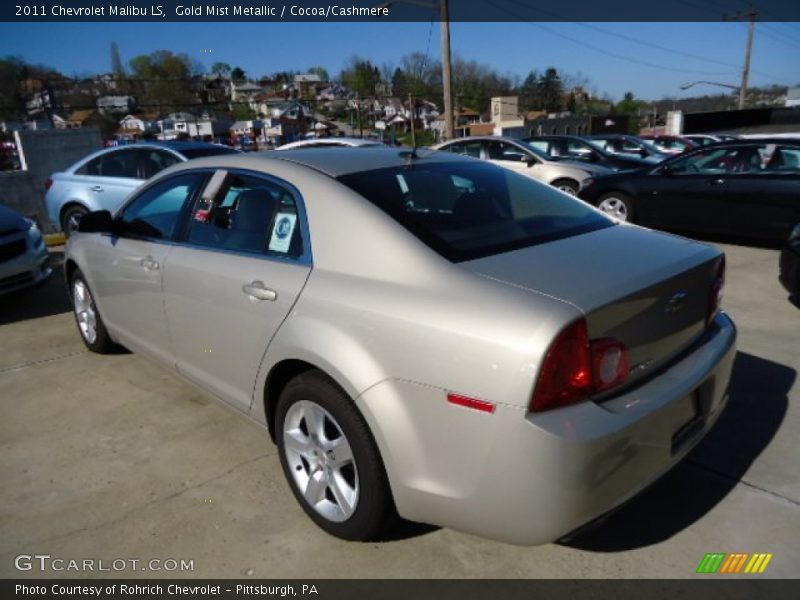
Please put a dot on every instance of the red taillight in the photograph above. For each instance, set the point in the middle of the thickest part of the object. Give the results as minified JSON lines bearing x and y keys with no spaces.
{"x":715,"y":294}
{"x":48,"y":184}
{"x":575,"y":368}
{"x":566,"y":375}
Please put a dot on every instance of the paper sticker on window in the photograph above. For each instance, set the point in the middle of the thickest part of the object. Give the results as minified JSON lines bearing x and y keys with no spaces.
{"x":282,"y":232}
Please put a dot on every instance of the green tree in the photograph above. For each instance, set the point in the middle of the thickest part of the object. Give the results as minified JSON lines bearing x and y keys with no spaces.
{"x":163,"y":80}
{"x":629,"y":105}
{"x":321,"y":71}
{"x":361,"y":76}
{"x":529,"y":92}
{"x":551,"y":91}
{"x":221,"y":68}
{"x":237,"y":73}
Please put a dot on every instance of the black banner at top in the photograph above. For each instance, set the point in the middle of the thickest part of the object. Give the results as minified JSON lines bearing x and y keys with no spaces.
{"x":397,"y":10}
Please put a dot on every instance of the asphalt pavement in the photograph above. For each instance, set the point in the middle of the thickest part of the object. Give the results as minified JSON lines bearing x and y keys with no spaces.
{"x":111,"y":458}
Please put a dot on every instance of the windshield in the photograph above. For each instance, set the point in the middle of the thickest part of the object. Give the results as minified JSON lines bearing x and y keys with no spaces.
{"x":470,"y":210}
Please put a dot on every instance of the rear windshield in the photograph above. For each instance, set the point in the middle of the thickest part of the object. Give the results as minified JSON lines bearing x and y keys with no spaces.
{"x":470,"y":210}
{"x":201,"y":152}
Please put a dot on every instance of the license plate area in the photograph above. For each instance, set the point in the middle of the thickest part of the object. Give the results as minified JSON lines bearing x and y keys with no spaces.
{"x":692,"y":424}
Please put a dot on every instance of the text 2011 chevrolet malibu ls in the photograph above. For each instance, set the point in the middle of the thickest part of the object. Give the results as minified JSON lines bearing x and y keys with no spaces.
{"x":422,"y":334}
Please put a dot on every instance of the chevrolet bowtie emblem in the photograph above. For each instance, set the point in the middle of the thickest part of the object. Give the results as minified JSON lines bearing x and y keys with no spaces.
{"x":675,"y":303}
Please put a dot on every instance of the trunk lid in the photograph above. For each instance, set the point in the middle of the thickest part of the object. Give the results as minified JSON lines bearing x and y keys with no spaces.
{"x":649,"y":290}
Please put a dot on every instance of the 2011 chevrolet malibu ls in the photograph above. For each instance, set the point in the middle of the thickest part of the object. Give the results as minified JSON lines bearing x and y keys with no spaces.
{"x":421,"y":333}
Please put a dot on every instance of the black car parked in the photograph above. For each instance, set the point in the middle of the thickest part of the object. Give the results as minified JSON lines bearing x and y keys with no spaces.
{"x":790,"y":265}
{"x":748,"y":188}
{"x":573,"y":147}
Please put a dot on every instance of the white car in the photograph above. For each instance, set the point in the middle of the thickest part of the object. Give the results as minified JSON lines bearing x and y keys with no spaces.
{"x":330,"y":142}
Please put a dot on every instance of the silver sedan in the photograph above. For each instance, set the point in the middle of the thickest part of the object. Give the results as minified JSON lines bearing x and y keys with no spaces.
{"x":526,"y":159}
{"x":421,"y":334}
{"x":23,"y":254}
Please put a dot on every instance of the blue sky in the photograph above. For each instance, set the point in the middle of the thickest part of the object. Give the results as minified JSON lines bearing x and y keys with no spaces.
{"x":650,"y":59}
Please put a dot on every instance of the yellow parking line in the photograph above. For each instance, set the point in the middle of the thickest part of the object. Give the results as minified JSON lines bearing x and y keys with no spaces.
{"x":55,"y":239}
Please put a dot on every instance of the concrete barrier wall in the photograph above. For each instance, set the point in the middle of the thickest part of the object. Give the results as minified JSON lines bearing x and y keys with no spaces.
{"x":45,"y":153}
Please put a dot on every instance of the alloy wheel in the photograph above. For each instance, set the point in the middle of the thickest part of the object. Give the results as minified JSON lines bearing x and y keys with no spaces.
{"x":614,"y":207}
{"x":85,"y":311}
{"x":321,"y":461}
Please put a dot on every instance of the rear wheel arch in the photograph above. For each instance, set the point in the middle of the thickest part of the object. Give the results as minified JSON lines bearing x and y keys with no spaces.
{"x":68,"y":206}
{"x":566,"y":184}
{"x":280,"y":375}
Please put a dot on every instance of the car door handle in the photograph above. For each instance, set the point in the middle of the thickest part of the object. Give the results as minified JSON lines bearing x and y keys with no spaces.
{"x":97,"y":188}
{"x":256,"y":289}
{"x":148,"y":263}
{"x":717,"y":181}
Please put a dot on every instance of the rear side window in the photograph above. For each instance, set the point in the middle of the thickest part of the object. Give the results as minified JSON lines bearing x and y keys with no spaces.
{"x":466,"y":211}
{"x":113,"y":164}
{"x":154,"y":161}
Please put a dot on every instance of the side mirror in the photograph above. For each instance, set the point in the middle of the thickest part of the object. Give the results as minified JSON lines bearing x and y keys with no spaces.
{"x":666,"y":170}
{"x":98,"y":221}
{"x":530,"y":161}
{"x":643,"y":153}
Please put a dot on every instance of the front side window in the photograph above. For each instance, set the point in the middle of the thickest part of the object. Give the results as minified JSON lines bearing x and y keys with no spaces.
{"x":715,"y":160}
{"x":156,"y":211}
{"x":248,"y":214}
{"x":466,"y":211}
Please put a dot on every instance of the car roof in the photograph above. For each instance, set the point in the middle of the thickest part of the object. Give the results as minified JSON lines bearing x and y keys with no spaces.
{"x":334,"y":162}
{"x":756,"y":140}
{"x":332,"y":141}
{"x":496,"y":138}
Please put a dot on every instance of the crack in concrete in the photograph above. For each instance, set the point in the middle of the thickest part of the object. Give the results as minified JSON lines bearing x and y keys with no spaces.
{"x":753,"y":486}
{"x":149,"y":503}
{"x":42,"y":361}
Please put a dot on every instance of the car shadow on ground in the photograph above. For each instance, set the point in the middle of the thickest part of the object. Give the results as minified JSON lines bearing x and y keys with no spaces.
{"x":756,"y":408}
{"x":42,"y":300}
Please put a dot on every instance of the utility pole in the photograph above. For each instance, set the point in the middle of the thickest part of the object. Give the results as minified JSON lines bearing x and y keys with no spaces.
{"x":411,"y":110}
{"x":751,"y":16}
{"x":449,"y":116}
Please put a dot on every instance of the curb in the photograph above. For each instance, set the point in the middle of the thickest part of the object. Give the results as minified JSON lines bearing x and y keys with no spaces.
{"x":55,"y":239}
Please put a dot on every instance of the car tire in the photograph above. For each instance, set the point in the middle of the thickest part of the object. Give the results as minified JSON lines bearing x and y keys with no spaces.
{"x":71,"y":217}
{"x":618,"y":205}
{"x":347,"y":495}
{"x":568,"y":186}
{"x":90,"y":324}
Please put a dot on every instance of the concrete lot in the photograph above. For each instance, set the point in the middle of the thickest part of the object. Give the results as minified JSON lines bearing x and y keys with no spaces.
{"x":111,"y":457}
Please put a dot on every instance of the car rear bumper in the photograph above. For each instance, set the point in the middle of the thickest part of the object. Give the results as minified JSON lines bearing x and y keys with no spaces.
{"x":532,"y":478}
